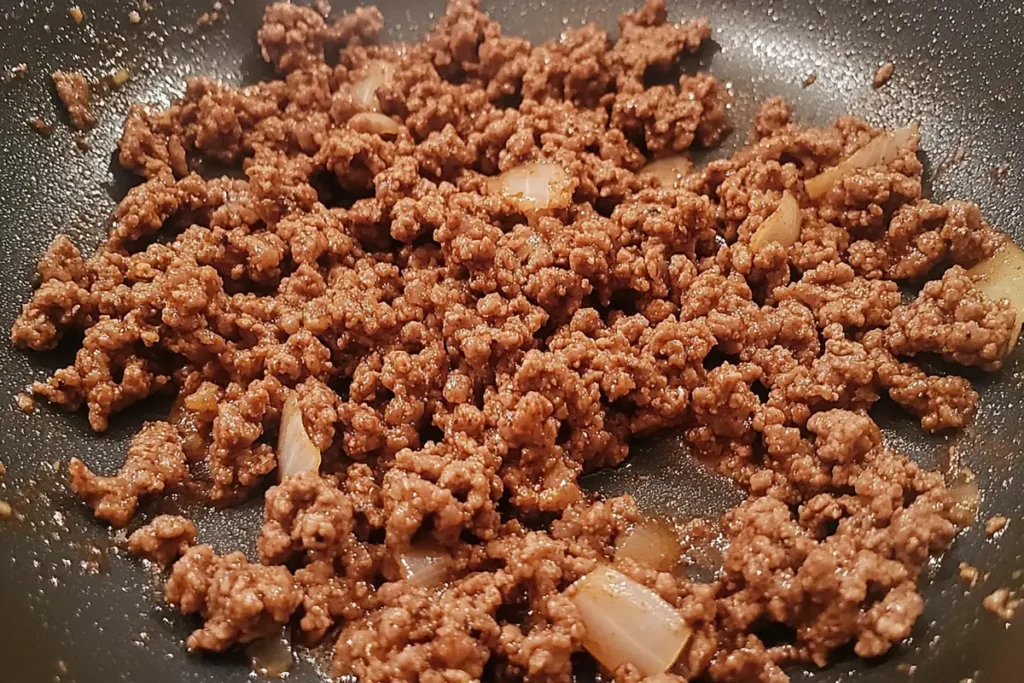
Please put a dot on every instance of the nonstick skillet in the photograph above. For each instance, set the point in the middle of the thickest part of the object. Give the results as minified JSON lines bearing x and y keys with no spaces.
{"x":73,"y":607}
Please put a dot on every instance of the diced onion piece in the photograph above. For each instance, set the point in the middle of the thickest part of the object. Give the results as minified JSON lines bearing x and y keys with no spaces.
{"x":537,"y":186}
{"x":963,"y":489}
{"x":783,"y":226}
{"x":295,"y":451}
{"x":378,"y":73}
{"x":628,"y":622}
{"x":881,"y":150}
{"x":373,"y":123}
{"x":1001,"y":276}
{"x":652,"y":543}
{"x":668,"y":170}
{"x":270,"y":656}
{"x":425,"y":564}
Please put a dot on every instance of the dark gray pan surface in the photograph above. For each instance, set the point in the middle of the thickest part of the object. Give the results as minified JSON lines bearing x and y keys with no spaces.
{"x":958,"y":71}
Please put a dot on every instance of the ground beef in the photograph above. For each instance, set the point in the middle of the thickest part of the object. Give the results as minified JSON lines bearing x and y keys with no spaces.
{"x":1002,"y":603}
{"x":239,"y":601}
{"x":155,"y":463}
{"x":461,"y":359}
{"x":955,"y":320}
{"x":163,"y":540}
{"x":995,"y":524}
{"x":969,"y":574}
{"x":73,"y":90}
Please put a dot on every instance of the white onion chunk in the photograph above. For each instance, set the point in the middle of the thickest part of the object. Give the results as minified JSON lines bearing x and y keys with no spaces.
{"x":425,"y":564}
{"x":783,"y":226}
{"x":296,"y":452}
{"x":364,"y":93}
{"x":652,"y":543}
{"x":374,"y":123}
{"x":882,"y":150}
{"x":1001,"y":276}
{"x":628,"y":622}
{"x":533,"y":187}
{"x":669,"y":170}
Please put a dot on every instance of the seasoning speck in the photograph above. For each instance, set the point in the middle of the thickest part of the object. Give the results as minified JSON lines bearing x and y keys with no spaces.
{"x":5,"y":509}
{"x":883,"y":74}
{"x":119,"y":78}
{"x":811,"y":78}
{"x":16,"y":71}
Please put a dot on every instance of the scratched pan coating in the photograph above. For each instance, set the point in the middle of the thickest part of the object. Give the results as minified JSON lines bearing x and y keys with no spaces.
{"x":74,"y":608}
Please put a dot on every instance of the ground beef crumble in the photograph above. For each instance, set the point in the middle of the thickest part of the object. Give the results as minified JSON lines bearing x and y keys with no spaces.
{"x":460,"y":362}
{"x":73,"y":90}
{"x":163,"y":540}
{"x":1002,"y":603}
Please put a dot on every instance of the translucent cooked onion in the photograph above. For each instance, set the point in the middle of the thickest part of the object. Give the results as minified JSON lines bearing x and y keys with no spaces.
{"x":783,"y":226}
{"x":628,"y":622}
{"x":537,"y":186}
{"x":374,"y":123}
{"x":1001,"y":276}
{"x":652,"y":543}
{"x":270,"y":656}
{"x":425,"y":564}
{"x":364,"y":92}
{"x":881,"y":150}
{"x":295,"y":451}
{"x":668,"y":170}
{"x":963,"y":489}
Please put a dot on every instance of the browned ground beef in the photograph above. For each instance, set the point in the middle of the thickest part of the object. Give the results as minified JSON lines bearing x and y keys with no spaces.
{"x":163,"y":540}
{"x":461,"y":364}
{"x":73,"y":90}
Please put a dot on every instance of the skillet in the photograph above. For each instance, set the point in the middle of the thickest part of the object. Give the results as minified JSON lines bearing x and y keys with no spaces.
{"x":73,"y":607}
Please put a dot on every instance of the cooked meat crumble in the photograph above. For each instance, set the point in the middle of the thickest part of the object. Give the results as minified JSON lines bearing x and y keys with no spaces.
{"x":461,"y":356}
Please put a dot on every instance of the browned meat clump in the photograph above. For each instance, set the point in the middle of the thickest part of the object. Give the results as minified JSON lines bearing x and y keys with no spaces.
{"x":239,"y":601}
{"x":155,"y":462}
{"x":73,"y":90}
{"x":163,"y":540}
{"x":449,"y":263}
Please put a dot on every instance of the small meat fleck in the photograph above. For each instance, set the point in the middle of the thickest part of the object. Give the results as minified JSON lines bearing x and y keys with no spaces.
{"x":26,"y":403}
{"x":969,"y":574}
{"x":5,"y":509}
{"x":134,"y":17}
{"x":77,"y":15}
{"x":810,"y":79}
{"x":1002,"y":603}
{"x":73,"y":90}
{"x":883,"y":74}
{"x":41,"y":126}
{"x":995,"y":524}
